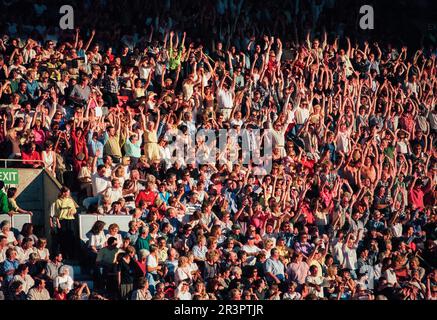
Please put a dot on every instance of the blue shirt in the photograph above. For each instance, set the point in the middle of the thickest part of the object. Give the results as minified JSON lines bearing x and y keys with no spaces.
{"x":9,"y":265}
{"x":164,"y":196}
{"x":93,"y":146}
{"x":32,"y":88}
{"x":276,"y":267}
{"x":133,"y":149}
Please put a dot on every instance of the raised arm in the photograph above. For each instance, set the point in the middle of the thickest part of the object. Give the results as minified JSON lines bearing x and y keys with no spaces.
{"x":158,"y":119}
{"x":89,"y":41}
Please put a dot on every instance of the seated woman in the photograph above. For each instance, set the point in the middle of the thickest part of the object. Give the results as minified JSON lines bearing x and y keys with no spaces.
{"x":105,"y":206}
{"x":5,"y":230}
{"x":27,"y":232}
{"x":31,"y":157}
{"x":96,"y":237}
{"x":113,"y":232}
{"x":96,"y":241}
{"x":13,"y":206}
{"x":63,"y":280}
{"x":41,"y":251}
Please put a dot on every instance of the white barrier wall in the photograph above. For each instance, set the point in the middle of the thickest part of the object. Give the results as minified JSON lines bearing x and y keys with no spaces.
{"x":86,"y":222}
{"x":17,"y":220}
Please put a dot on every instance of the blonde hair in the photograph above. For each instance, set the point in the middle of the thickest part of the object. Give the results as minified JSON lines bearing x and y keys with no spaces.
{"x":331,"y":270}
{"x":183,"y":261}
{"x":268,"y":241}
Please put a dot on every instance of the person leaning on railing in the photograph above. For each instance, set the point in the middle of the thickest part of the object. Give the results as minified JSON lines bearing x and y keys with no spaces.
{"x":12,"y":203}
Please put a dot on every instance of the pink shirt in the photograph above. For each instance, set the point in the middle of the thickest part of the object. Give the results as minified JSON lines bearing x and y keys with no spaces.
{"x":40,"y":136}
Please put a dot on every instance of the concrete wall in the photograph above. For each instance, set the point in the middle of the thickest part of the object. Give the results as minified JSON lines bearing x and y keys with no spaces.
{"x":37,"y":190}
{"x":50,"y":194}
{"x":31,"y":193}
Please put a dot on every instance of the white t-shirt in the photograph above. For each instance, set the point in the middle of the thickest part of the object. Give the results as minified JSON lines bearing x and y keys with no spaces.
{"x":43,"y":254}
{"x":402,"y":147}
{"x":301,"y":115}
{"x":151,"y":262}
{"x":200,"y":252}
{"x":23,"y":255}
{"x":184,"y":296}
{"x":343,"y":142}
{"x":65,"y":280}
{"x":224,"y":99}
{"x":251,"y":249}
{"x":99,"y":184}
{"x":3,"y":254}
{"x":350,"y":257}
{"x":316,"y":281}
{"x":27,"y":282}
{"x":390,"y":275}
{"x":9,"y":236}
{"x":337,"y":251}
{"x":144,"y":72}
{"x":97,"y":241}
{"x":182,"y":274}
{"x":114,"y":194}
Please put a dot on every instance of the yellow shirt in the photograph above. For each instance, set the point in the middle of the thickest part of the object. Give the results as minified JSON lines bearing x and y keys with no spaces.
{"x":65,"y":209}
{"x":113,"y":146}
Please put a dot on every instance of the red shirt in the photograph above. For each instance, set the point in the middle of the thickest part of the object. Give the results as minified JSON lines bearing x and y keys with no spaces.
{"x":258,"y":220}
{"x":416,"y":198}
{"x":148,"y":197}
{"x":60,"y":296}
{"x":34,"y":155}
{"x":326,"y":198}
{"x":308,"y":164}
{"x":309,"y":216}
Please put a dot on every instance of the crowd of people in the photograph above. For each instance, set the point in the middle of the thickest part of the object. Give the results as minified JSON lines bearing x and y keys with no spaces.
{"x":347,"y":212}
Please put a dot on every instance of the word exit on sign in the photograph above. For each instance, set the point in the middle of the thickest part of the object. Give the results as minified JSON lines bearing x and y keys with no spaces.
{"x":9,"y":176}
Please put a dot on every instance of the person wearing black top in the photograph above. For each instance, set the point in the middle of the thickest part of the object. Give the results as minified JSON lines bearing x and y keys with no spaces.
{"x":125,"y":273}
{"x":16,"y":291}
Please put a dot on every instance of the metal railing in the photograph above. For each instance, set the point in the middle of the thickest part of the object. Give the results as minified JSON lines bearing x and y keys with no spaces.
{"x":23,"y":162}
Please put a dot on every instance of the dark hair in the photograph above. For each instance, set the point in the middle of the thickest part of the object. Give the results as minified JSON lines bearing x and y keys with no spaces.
{"x":41,"y":241}
{"x":9,"y":251}
{"x":48,"y":144}
{"x":97,"y":227}
{"x":111,"y":241}
{"x":142,"y":283}
{"x":15,"y":285}
{"x":11,"y":192}
{"x":2,"y":184}
{"x":38,"y":282}
{"x":63,"y":190}
{"x":26,"y":240}
{"x":27,"y":229}
{"x":21,"y":268}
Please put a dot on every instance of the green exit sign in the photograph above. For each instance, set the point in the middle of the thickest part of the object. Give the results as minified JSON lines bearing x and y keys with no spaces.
{"x":9,"y":176}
